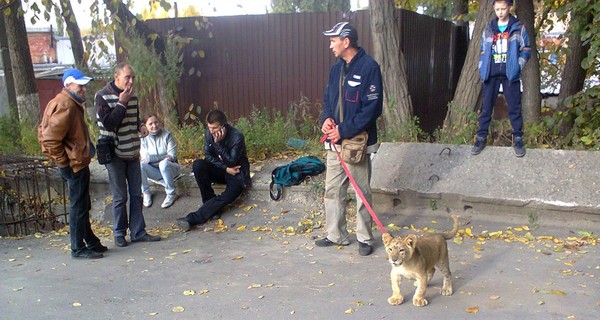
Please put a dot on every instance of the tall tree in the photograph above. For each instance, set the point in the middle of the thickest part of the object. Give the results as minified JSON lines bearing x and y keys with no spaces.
{"x":531,"y":100}
{"x":397,"y":104}
{"x":28,"y":102}
{"x":468,"y":89}
{"x":573,"y":75}
{"x":285,"y":6}
{"x":66,"y":11}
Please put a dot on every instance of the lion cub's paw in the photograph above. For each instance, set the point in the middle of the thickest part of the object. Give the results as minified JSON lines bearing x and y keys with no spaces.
{"x":420,"y":302}
{"x":395,"y":300}
{"x":447,"y":291}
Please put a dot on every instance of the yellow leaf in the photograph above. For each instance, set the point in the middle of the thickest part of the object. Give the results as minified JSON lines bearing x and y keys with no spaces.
{"x":525,"y":228}
{"x":558,"y":293}
{"x":468,"y":231}
{"x":237,"y":258}
{"x":254,"y":286}
{"x":476,"y":256}
{"x":518,"y":229}
{"x":152,"y":313}
{"x":203,"y":291}
{"x":12,"y":259}
{"x":150,"y":259}
{"x":202,"y":54}
{"x":18,"y":289}
{"x":331,"y":284}
{"x":472,"y":310}
{"x":189,"y":292}
{"x":76,"y":304}
{"x":178,"y":309}
{"x":186,"y":251}
{"x":241,"y":228}
{"x":540,"y":302}
{"x":248,"y":208}
{"x":494,"y":297}
{"x":478,"y":249}
{"x":349,"y":311}
{"x":130,"y":260}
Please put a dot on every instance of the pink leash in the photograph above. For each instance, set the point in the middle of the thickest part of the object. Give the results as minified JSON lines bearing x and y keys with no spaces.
{"x":357,"y":189}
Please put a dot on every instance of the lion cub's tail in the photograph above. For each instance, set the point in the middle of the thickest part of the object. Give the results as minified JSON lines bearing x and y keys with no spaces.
{"x":450,"y":234}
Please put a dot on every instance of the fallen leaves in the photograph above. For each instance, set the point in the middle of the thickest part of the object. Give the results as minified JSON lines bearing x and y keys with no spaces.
{"x":472,"y":309}
{"x":178,"y":309}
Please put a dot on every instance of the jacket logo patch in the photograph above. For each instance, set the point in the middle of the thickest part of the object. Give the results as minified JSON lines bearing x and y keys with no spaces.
{"x":353,"y":83}
{"x":355,"y":76}
{"x":372,"y":88}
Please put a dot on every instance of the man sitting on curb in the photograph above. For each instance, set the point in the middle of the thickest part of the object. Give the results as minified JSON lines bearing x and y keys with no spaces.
{"x":225,"y":162}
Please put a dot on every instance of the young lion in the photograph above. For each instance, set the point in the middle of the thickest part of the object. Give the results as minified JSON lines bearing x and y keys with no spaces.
{"x":416,"y":258}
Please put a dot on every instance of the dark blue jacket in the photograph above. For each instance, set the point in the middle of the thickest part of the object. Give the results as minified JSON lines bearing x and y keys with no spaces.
{"x":519,"y":50}
{"x":362,"y":94}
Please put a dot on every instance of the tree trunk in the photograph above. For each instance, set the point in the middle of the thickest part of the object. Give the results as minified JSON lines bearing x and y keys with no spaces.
{"x":8,"y":73}
{"x":66,"y":11}
{"x":468,"y":88}
{"x":573,"y":75}
{"x":531,"y":99}
{"x":397,"y":104}
{"x":28,"y":102}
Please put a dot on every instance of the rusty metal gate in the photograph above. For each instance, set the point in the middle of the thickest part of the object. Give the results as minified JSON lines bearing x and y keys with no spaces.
{"x":32,"y":196}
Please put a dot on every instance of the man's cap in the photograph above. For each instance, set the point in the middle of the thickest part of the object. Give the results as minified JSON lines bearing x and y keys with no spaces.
{"x":75,"y":76}
{"x":344,"y":30}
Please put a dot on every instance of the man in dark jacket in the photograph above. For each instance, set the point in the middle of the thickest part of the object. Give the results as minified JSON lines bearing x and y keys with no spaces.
{"x":504,"y":51}
{"x":225,"y":162}
{"x":65,"y":139}
{"x":352,"y":102}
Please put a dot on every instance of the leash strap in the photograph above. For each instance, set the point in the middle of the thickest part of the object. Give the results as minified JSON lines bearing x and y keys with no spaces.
{"x":357,"y":189}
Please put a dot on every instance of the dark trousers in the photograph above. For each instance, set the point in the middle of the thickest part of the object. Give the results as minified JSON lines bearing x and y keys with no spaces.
{"x":512,"y":94}
{"x":80,"y":229}
{"x":206,"y":173}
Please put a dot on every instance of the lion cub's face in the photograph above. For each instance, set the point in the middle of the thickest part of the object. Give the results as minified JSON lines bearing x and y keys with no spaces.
{"x":399,"y":249}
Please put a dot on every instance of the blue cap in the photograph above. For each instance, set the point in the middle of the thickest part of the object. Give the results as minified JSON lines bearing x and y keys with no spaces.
{"x":75,"y":76}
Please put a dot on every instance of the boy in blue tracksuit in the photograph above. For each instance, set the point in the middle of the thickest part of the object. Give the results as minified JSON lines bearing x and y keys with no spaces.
{"x":504,"y":51}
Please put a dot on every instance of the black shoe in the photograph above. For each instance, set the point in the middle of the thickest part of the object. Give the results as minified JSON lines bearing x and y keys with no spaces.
{"x":120,"y":241}
{"x":147,"y":238}
{"x":98,"y":248}
{"x":86,"y":254}
{"x":327,"y":243}
{"x":479,"y":145}
{"x":364,"y":249}
{"x":519,"y":147}
{"x":183,"y":224}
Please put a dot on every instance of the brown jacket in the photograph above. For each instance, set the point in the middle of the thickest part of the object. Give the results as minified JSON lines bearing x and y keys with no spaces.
{"x":63,"y":133}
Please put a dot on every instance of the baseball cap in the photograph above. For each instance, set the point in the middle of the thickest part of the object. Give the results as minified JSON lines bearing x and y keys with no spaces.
{"x":75,"y":76}
{"x":344,"y":30}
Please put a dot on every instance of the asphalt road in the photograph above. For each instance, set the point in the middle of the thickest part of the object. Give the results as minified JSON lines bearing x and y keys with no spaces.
{"x":260,"y":264}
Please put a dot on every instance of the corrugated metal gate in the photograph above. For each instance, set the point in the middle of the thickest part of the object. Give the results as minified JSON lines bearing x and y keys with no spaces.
{"x":269,"y":61}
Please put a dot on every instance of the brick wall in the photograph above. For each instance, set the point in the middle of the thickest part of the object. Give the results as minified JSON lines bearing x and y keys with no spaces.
{"x":42,"y":47}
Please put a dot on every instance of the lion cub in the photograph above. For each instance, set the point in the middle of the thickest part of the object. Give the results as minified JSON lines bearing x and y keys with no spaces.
{"x":415,"y":258}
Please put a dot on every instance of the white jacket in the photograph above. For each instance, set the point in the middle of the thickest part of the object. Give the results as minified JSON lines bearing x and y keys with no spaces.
{"x":156,"y":147}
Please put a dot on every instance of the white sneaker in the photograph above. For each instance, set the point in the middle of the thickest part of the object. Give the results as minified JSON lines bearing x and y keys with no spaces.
{"x":169,"y":200}
{"x":147,"y":200}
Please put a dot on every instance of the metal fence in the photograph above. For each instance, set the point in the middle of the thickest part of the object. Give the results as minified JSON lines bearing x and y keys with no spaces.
{"x":32,"y":199}
{"x":270,"y":61}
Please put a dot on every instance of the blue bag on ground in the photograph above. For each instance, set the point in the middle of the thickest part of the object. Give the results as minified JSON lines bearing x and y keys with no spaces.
{"x":293,"y":174}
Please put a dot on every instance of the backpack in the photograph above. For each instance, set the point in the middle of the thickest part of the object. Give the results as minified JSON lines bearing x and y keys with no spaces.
{"x":293,"y":174}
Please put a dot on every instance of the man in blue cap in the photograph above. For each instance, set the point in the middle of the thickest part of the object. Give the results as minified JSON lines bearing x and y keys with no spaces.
{"x":65,"y":139}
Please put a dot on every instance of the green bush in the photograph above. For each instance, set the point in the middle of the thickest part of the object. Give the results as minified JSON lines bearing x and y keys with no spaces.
{"x":190,"y":141}
{"x":18,"y":138}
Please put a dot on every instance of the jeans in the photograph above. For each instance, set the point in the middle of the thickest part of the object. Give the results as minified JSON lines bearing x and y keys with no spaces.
{"x":80,"y":229}
{"x":165,"y":170}
{"x":336,"y":188}
{"x":512,"y":94}
{"x":206,"y":173}
{"x":126,"y":175}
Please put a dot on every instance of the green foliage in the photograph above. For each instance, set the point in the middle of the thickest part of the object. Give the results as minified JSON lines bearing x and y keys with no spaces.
{"x":459,"y":133}
{"x":18,"y":138}
{"x":290,"y":6}
{"x":190,"y":141}
{"x":408,"y":131}
{"x":265,"y":134}
{"x":584,"y":109}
